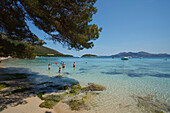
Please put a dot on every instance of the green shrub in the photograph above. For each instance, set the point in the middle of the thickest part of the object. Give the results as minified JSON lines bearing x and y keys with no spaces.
{"x":3,"y":85}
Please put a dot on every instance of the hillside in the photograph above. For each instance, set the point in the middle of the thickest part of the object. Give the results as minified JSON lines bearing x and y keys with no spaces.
{"x":44,"y":51}
{"x":140,"y":54}
{"x":89,"y":55}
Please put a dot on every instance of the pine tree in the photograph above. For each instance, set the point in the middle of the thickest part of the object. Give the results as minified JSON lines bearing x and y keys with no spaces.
{"x":65,"y":21}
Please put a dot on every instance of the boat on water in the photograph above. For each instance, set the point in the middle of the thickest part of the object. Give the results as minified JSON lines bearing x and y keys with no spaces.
{"x":125,"y":58}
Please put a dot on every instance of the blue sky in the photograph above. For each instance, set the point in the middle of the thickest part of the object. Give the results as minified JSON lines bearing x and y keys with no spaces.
{"x":128,"y":25}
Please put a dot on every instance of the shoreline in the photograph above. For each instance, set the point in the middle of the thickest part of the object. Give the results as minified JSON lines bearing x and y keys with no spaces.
{"x":5,"y":58}
{"x":118,"y":105}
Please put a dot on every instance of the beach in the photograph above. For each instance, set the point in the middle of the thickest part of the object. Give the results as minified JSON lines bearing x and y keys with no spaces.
{"x":5,"y":58}
{"x":31,"y":106}
{"x":84,"y":56}
{"x":129,"y":84}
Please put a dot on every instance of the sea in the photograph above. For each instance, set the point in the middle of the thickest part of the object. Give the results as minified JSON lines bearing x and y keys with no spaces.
{"x":124,"y":79}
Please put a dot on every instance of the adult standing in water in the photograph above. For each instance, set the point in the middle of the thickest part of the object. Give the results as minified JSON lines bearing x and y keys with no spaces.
{"x":49,"y":66}
{"x":63,"y":65}
{"x":74,"y":65}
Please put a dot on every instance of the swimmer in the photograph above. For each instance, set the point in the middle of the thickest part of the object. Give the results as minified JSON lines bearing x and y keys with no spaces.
{"x":59,"y":69}
{"x":49,"y":66}
{"x":63,"y":65}
{"x":74,"y":65}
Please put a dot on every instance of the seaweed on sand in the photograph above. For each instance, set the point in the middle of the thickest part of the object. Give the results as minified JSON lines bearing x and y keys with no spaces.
{"x":76,"y":104}
{"x":3,"y":85}
{"x":19,"y":90}
{"x":50,"y":101}
{"x":40,"y":95}
{"x":149,"y":105}
{"x":47,"y":104}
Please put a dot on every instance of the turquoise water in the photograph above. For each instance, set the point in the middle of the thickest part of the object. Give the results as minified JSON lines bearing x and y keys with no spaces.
{"x":123,"y":79}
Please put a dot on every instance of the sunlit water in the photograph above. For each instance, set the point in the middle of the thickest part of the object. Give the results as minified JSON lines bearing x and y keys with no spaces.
{"x":123,"y":79}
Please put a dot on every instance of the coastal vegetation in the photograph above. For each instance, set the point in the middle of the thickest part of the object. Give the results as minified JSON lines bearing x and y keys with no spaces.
{"x":89,"y":55}
{"x":21,"y":49}
{"x":16,"y":49}
{"x":47,"y":52}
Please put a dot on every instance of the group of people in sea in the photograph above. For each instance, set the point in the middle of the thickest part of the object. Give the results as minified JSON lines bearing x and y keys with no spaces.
{"x":59,"y":68}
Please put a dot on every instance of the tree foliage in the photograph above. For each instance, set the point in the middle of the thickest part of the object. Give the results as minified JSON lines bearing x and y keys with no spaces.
{"x":65,"y":21}
{"x":17,"y":49}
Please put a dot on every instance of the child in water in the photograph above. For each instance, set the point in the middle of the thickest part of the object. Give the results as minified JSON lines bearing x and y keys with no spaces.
{"x":49,"y":66}
{"x":59,"y":69}
{"x":74,"y":65}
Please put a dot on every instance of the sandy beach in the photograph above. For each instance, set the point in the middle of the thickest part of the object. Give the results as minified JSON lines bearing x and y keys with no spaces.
{"x":5,"y":58}
{"x":31,"y":105}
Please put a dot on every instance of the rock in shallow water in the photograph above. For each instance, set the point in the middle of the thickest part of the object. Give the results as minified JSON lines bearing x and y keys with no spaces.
{"x":149,"y":105}
{"x":94,"y":87}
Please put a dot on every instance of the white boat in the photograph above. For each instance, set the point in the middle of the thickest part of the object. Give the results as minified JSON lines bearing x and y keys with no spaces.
{"x":125,"y":58}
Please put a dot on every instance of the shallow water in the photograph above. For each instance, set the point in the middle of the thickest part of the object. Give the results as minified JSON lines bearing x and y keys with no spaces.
{"x":123,"y":79}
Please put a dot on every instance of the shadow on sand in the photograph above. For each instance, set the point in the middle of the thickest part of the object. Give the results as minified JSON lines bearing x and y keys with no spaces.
{"x":23,"y":83}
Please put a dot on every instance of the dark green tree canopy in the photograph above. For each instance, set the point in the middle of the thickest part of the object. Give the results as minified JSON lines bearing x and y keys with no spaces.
{"x":65,"y":21}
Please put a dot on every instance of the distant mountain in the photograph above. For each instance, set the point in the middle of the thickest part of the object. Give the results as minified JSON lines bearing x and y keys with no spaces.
{"x":139,"y":54}
{"x":89,"y":55}
{"x":47,"y":52}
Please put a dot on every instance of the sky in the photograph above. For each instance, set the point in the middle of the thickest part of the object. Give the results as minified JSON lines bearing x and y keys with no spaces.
{"x":128,"y":26}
